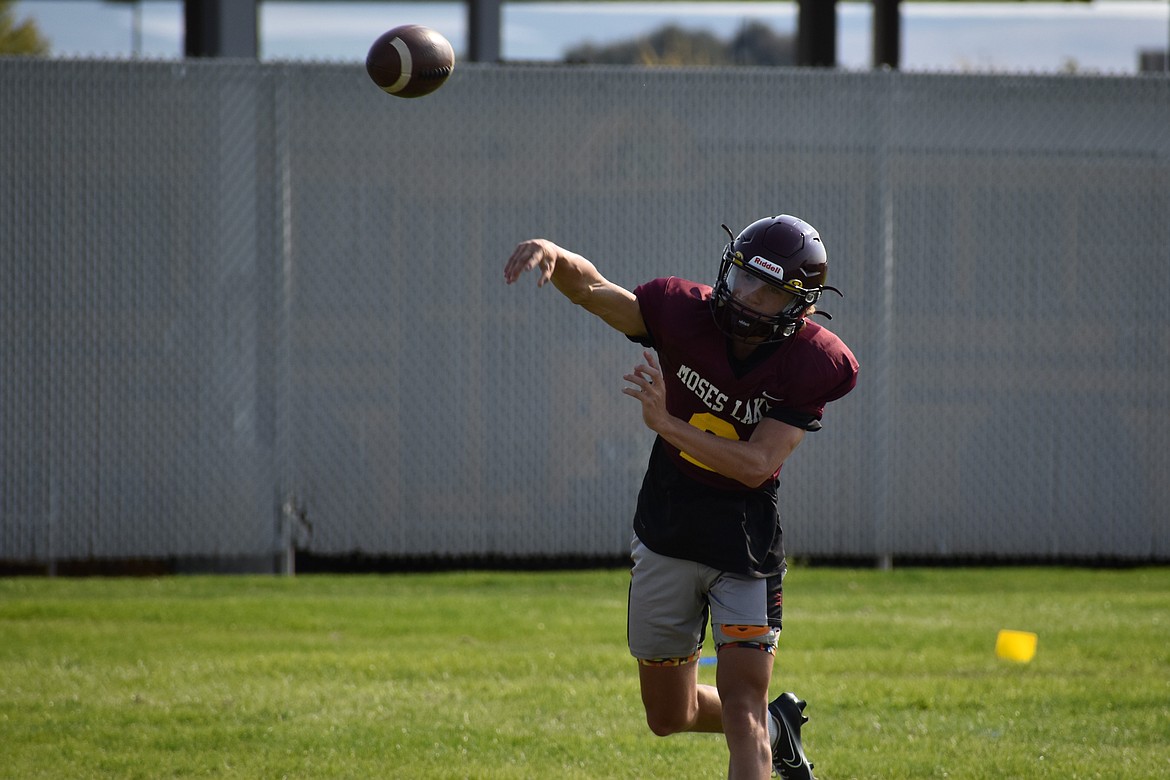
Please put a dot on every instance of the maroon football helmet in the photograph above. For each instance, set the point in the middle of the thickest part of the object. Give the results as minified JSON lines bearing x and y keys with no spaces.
{"x":783,"y":252}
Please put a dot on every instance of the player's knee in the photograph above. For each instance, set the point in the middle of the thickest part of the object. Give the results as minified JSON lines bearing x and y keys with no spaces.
{"x":742,"y":713}
{"x":664,"y":721}
{"x":663,"y":724}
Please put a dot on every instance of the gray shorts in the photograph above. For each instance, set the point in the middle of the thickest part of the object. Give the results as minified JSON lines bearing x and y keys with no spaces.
{"x":671,"y":600}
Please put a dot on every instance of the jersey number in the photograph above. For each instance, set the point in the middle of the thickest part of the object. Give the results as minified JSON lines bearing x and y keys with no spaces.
{"x":711,"y":424}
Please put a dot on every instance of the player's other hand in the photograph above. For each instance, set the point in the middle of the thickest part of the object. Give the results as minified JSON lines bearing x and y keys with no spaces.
{"x":534,"y":253}
{"x":650,"y":390}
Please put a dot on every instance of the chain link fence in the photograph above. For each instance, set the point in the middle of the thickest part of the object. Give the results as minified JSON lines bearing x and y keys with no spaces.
{"x":248,"y":308}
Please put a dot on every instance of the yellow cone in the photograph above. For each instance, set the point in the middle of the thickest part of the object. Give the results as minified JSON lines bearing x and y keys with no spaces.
{"x":1018,"y":646}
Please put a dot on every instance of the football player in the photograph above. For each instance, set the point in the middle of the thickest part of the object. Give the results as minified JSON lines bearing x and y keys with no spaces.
{"x":737,"y":376}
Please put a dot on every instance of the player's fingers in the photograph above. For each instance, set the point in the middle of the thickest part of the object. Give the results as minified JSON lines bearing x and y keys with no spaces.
{"x":652,"y":365}
{"x":646,"y":373}
{"x":636,"y":378}
{"x":641,"y":378}
{"x":515,"y":265}
{"x":525,"y":256}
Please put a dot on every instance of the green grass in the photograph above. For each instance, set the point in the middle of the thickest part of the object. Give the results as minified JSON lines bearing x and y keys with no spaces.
{"x":526,"y":675}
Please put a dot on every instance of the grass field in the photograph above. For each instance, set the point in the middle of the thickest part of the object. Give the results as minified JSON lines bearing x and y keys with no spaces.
{"x":525,"y":675}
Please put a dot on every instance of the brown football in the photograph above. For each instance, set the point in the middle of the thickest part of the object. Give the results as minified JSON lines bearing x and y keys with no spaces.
{"x":410,"y":61}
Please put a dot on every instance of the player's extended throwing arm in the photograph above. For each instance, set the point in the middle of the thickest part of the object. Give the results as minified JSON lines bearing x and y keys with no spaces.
{"x":579,"y":281}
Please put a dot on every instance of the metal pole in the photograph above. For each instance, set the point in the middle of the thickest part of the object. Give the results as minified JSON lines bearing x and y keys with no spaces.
{"x":286,"y":501}
{"x":886,"y":463}
{"x":887,"y":34}
{"x":220,"y":28}
{"x":136,"y":30}
{"x":816,"y":36}
{"x":483,"y":30}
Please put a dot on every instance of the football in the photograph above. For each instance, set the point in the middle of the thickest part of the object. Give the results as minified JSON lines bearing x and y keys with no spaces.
{"x":410,"y":61}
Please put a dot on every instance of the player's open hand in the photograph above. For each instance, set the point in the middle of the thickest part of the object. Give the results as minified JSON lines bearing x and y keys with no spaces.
{"x":534,"y":253}
{"x":649,"y":389}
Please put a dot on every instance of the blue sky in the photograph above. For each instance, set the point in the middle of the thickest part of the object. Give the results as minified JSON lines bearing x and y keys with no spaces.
{"x":1104,"y":36}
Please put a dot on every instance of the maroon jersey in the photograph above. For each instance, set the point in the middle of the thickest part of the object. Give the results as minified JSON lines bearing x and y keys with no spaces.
{"x":685,"y":509}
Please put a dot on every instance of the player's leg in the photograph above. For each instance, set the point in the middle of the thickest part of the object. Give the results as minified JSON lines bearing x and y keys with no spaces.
{"x":673,"y":699}
{"x":666,"y":622}
{"x":786,"y":711}
{"x":746,"y":644}
{"x":737,"y":707}
{"x":743,"y":676}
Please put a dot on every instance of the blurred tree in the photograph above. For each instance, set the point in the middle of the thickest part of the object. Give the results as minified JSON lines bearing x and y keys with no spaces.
{"x":757,"y":44}
{"x":754,"y":44}
{"x":22,"y":38}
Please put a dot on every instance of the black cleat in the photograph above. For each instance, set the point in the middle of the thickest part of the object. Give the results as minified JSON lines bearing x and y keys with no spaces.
{"x":788,"y":759}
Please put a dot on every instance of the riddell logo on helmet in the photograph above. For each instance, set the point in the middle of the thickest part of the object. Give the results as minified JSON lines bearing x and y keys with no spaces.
{"x":764,"y":265}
